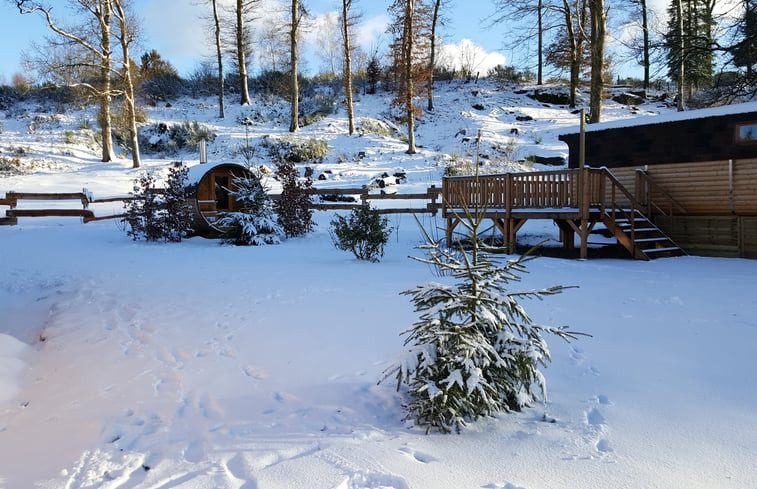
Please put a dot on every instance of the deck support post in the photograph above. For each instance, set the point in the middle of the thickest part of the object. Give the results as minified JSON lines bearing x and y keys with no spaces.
{"x":584,"y":206}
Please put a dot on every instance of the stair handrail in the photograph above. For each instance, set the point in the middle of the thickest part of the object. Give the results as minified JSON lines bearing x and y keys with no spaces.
{"x":644,"y":175}
{"x":635,"y":204}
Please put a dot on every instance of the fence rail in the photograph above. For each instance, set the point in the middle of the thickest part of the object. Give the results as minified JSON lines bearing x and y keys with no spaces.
{"x":363,"y":196}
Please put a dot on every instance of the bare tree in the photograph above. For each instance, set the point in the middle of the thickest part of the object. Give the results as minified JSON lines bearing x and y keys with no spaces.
{"x":298,"y":12}
{"x":219,"y":55}
{"x":329,"y":41}
{"x":598,"y":25}
{"x":125,"y":35}
{"x":95,"y":44}
{"x":273,"y":51}
{"x":547,"y":14}
{"x":432,"y":57}
{"x":678,"y":5}
{"x":346,"y":4}
{"x":242,"y":7}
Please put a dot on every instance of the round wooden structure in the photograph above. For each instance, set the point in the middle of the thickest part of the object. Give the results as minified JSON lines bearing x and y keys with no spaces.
{"x":210,"y":188}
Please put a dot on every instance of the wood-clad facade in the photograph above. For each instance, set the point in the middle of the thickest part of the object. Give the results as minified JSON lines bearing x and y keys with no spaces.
{"x":210,"y":188}
{"x":696,"y":174}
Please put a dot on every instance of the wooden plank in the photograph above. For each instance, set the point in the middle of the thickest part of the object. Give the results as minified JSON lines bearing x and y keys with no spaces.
{"x":49,"y":213}
{"x":49,"y":196}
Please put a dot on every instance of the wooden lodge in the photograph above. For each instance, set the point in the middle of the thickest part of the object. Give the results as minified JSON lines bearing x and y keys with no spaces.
{"x":576,"y":200}
{"x":210,"y":187}
{"x":694,"y":172}
{"x":684,"y":183}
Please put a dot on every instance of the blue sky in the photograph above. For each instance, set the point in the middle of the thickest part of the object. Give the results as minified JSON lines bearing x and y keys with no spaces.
{"x":173,"y":28}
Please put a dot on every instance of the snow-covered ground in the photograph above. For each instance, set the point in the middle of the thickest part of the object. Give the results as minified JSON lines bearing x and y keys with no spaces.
{"x":198,"y":365}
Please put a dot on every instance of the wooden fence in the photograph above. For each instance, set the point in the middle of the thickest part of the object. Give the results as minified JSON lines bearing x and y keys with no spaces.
{"x":430,"y":203}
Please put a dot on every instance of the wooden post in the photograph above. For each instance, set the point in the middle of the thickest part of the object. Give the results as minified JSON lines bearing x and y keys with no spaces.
{"x":584,"y":202}
{"x":582,"y":141}
{"x":433,"y":193}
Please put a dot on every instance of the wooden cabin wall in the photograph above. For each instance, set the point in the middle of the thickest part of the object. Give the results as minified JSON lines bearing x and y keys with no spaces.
{"x":718,"y":221}
{"x":703,"y":188}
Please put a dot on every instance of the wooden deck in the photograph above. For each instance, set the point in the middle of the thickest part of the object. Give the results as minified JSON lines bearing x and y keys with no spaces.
{"x":576,"y":200}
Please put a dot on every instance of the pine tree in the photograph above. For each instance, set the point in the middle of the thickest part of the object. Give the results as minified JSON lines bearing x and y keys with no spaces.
{"x":745,"y":50}
{"x":474,"y":351}
{"x":294,"y":207}
{"x":255,"y":223}
{"x":693,"y":49}
{"x":159,"y":214}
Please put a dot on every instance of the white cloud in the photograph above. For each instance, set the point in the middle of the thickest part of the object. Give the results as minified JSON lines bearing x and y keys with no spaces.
{"x":467,"y":56}
{"x":370,"y":34}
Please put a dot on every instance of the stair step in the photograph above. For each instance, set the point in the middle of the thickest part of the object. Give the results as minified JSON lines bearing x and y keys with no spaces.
{"x":651,"y":240}
{"x":662,"y":250}
{"x":8,"y":221}
{"x":644,"y":230}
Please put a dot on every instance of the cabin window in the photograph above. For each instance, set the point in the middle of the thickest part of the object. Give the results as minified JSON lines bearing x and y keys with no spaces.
{"x":746,"y":132}
{"x":222,"y":192}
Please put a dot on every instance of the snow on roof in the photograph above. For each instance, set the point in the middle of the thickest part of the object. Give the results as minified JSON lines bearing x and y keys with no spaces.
{"x":196,"y":172}
{"x":670,"y":117}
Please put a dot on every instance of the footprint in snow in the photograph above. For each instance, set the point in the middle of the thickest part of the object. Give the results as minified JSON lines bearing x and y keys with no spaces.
{"x":419,"y":457}
{"x":604,"y":400}
{"x":594,"y":417}
{"x":603,"y":445}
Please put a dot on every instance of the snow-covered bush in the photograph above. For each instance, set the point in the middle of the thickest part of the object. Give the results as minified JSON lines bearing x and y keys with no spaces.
{"x":255,"y":223}
{"x":294,"y":207}
{"x":10,"y":166}
{"x":364,"y":233}
{"x":295,"y":149}
{"x":474,"y":351}
{"x":159,"y":214}
{"x":169,"y":138}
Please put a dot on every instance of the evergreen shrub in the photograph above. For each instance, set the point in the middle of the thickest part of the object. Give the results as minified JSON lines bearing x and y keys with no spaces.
{"x":159,"y":214}
{"x":364,"y":232}
{"x":294,"y":207}
{"x":255,"y":223}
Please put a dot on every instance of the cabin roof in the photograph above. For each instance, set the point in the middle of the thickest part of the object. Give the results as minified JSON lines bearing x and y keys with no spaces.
{"x":666,"y":118}
{"x":196,"y":172}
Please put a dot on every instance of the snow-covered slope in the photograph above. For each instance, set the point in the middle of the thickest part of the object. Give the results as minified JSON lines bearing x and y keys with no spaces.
{"x":199,"y":365}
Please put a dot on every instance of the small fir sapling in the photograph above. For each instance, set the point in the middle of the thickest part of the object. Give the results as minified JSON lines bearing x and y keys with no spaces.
{"x":294,"y":207}
{"x":159,"y":214}
{"x":474,"y":351}
{"x":255,"y":223}
{"x":177,"y":216}
{"x":364,"y":233}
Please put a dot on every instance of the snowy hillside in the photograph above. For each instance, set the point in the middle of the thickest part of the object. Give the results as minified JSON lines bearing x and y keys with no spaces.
{"x":201,"y":366}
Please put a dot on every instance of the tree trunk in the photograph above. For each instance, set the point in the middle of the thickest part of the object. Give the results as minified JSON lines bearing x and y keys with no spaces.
{"x":540,"y":42}
{"x":598,"y":23}
{"x":124,"y":37}
{"x":105,"y":96}
{"x":347,"y":63}
{"x":244,"y":93}
{"x":219,"y":57}
{"x":432,"y":59}
{"x":681,"y":50}
{"x":575,"y":64}
{"x":408,"y":52}
{"x":645,"y":30}
{"x":294,"y":119}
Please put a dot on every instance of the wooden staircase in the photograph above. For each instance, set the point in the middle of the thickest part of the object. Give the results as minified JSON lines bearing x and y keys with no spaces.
{"x":624,"y":217}
{"x":640,"y":236}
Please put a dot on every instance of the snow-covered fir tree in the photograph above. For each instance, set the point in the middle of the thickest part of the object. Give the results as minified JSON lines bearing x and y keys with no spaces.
{"x":256,"y":222}
{"x":159,"y":213}
{"x":474,"y":351}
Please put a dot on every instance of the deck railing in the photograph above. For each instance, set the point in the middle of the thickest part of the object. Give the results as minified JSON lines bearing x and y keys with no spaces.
{"x":528,"y":190}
